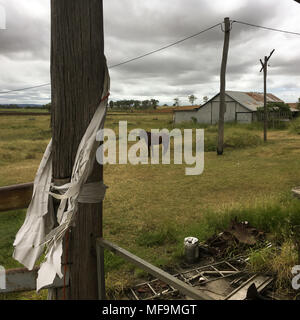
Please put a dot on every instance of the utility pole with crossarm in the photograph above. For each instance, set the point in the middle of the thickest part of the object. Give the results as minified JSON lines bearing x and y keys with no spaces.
{"x":265,"y":70}
{"x":222,"y":108}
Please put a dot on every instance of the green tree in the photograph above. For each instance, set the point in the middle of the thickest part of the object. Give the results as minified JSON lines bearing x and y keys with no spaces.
{"x":276,"y":107}
{"x":177,"y":101}
{"x":48,"y":106}
{"x":192,"y":99}
{"x":154,"y":103}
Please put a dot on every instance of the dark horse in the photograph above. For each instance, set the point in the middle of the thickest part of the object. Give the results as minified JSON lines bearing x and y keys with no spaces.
{"x":158,"y":141}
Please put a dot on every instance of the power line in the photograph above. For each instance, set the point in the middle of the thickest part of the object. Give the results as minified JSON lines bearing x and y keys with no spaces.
{"x":267,"y":28}
{"x":165,"y":47}
{"x":28,"y":88}
{"x":130,"y":60}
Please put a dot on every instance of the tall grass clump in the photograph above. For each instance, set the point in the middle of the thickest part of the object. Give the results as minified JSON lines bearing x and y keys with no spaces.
{"x":241,"y":139}
{"x":277,"y":262}
{"x":277,"y":218}
{"x":295,"y":126}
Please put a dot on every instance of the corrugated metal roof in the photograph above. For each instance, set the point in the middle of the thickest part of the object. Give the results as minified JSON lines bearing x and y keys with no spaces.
{"x":252,"y":100}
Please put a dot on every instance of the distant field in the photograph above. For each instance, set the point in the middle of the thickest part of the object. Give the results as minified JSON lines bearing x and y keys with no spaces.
{"x":150,"y":209}
{"x":18,"y":110}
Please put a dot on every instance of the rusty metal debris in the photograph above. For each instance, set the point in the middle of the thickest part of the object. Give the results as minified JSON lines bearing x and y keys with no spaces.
{"x":225,"y":280}
{"x":239,"y":234}
{"x":259,"y":282}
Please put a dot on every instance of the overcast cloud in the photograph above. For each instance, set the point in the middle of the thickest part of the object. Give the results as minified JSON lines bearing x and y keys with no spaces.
{"x":135,"y":27}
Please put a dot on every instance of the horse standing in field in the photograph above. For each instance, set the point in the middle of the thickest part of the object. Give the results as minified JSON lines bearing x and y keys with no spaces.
{"x":159,"y":139}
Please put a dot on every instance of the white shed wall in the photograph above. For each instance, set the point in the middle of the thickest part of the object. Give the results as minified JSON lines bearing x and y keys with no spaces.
{"x":209,"y":113}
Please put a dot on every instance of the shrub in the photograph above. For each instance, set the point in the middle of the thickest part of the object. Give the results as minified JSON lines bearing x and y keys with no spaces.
{"x":242,"y":139}
{"x":295,"y":126}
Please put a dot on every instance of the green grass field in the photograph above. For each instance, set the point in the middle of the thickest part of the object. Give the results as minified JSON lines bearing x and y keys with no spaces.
{"x":149,"y":210}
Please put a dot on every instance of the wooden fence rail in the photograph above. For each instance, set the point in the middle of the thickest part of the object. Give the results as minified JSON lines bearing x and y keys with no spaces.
{"x":22,"y":280}
{"x":15,"y":197}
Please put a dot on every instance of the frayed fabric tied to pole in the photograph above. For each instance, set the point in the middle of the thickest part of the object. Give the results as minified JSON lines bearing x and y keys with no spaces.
{"x":38,"y":229}
{"x":92,"y":193}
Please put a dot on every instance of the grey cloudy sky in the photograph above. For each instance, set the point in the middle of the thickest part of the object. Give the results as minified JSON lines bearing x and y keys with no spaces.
{"x":135,"y":27}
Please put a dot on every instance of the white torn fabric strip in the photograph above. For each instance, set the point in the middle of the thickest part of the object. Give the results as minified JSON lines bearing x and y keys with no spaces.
{"x":37,"y":230}
{"x":32,"y":233}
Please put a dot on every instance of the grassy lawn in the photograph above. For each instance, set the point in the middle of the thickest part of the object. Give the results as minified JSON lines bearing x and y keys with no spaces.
{"x":149,"y":210}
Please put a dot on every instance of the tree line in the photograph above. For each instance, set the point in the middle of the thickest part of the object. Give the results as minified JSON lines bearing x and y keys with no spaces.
{"x":134,"y":104}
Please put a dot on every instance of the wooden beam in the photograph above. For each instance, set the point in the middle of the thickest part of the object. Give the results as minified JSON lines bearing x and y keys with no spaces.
{"x":156,"y":272}
{"x":22,"y":280}
{"x":15,"y":197}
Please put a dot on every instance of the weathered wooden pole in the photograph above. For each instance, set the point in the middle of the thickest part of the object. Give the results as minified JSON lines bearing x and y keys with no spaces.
{"x":265,"y":70}
{"x":265,"y":99}
{"x":77,"y":73}
{"x":222,"y":109}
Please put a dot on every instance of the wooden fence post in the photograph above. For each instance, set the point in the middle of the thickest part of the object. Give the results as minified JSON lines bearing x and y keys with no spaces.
{"x":77,"y":74}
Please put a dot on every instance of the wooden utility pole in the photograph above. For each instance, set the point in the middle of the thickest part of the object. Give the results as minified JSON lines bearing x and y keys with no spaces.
{"x":265,"y":70}
{"x":77,"y":73}
{"x":222,"y":110}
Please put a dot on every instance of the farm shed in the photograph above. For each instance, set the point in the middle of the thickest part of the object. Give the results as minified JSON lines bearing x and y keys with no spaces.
{"x":294,"y":109}
{"x":240,"y":107}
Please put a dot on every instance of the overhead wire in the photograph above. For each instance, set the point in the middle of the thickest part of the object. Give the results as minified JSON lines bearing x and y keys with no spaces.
{"x":130,"y":60}
{"x":163,"y":48}
{"x":166,"y":47}
{"x":24,"y":89}
{"x":266,"y":28}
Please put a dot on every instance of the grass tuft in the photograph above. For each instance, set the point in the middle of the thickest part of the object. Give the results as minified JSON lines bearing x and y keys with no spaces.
{"x":163,"y":236}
